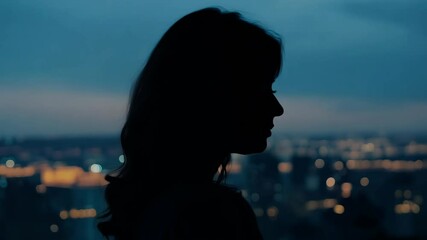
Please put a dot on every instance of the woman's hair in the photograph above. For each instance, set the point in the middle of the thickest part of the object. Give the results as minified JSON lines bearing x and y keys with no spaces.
{"x":176,"y":126}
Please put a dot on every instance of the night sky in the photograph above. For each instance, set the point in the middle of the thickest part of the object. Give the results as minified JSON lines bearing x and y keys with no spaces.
{"x":66,"y":67}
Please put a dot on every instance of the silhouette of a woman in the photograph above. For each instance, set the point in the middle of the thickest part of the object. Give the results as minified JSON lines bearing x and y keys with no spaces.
{"x":204,"y":93}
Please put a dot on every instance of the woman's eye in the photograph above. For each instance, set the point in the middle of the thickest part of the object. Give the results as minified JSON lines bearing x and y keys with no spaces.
{"x":274,"y":91}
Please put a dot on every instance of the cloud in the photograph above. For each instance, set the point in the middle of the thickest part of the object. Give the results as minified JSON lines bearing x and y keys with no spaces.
{"x":410,"y":15}
{"x":46,"y":112}
{"x":341,"y":115}
{"x":362,"y":48}
{"x":59,"y":112}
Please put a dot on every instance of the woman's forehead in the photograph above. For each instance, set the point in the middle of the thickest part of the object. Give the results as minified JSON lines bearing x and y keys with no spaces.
{"x":256,"y":75}
{"x":259,"y":66}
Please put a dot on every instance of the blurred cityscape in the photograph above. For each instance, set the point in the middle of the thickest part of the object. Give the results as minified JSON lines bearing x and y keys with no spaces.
{"x":322,"y":187}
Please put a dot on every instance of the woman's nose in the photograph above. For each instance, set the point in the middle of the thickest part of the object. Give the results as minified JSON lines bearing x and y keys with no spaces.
{"x":278,"y":108}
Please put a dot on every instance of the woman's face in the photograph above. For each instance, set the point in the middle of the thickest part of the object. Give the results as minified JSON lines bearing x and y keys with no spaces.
{"x":254,"y":108}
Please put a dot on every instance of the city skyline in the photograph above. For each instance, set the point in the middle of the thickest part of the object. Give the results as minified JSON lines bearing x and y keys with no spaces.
{"x":332,"y":187}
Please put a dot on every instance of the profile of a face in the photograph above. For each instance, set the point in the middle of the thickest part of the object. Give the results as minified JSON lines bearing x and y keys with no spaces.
{"x":254,"y":108}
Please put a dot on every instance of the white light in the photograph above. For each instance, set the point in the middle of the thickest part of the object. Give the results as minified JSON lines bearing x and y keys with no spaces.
{"x":121,"y":158}
{"x":54,"y":228}
{"x":10,"y":163}
{"x":244,"y":193}
{"x":338,"y":165}
{"x":339,"y":209}
{"x":319,"y":163}
{"x":364,"y":181}
{"x":330,"y":182}
{"x":95,"y":168}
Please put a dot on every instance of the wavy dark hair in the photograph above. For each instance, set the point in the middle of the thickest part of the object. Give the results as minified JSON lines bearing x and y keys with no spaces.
{"x":176,"y":126}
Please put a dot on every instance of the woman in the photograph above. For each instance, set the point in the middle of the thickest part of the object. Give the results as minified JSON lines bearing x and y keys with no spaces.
{"x":204,"y":93}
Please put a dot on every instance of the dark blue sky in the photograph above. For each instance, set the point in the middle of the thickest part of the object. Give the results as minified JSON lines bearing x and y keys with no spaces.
{"x":349,"y":65}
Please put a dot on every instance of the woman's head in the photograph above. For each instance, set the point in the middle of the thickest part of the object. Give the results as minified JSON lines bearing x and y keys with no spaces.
{"x":207,"y":84}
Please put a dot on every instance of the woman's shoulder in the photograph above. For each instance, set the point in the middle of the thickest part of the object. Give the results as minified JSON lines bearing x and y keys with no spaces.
{"x":204,"y":211}
{"x":225,"y":199}
{"x":217,"y":212}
